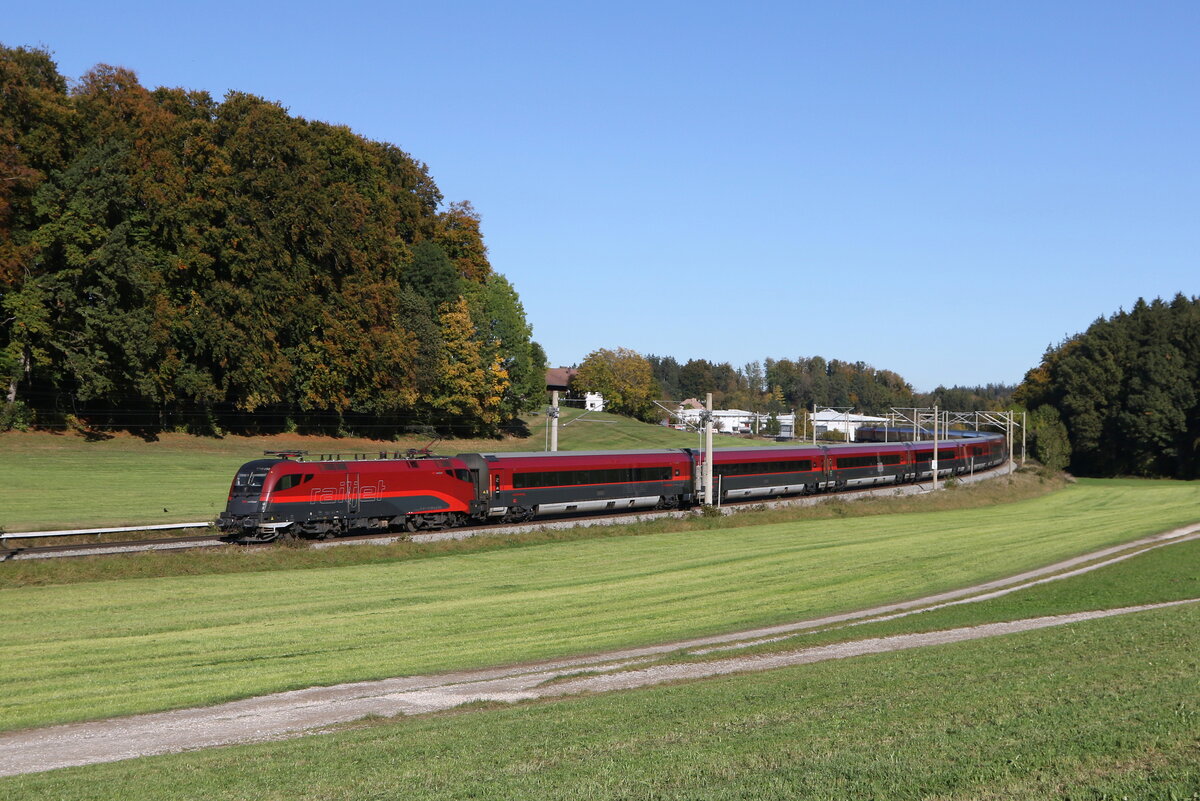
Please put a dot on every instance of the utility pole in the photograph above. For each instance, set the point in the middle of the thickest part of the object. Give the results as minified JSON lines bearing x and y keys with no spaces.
{"x":553,"y":420}
{"x":934,"y":461}
{"x":708,"y":451}
{"x":1022,"y":439}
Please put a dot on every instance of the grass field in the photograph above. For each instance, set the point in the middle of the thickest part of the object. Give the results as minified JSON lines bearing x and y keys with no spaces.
{"x":1105,"y":709}
{"x":62,"y":480}
{"x":100,"y":648}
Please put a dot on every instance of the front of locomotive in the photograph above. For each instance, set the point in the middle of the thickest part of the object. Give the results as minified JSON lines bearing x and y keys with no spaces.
{"x":243,"y":515}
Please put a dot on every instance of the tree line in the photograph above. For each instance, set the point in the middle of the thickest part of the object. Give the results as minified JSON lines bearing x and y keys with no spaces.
{"x":1123,"y":397}
{"x":631,"y":383}
{"x":168,"y":259}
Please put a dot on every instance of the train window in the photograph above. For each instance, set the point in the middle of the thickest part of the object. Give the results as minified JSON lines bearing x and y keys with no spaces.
{"x":890,"y":458}
{"x":287,"y":482}
{"x":946,"y":454}
{"x":923,"y":456}
{"x":856,"y":461}
{"x":758,"y":468}
{"x":567,"y":478}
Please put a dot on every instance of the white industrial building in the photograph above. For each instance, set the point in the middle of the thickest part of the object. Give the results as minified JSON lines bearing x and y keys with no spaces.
{"x":733,"y":421}
{"x":740,"y":421}
{"x":826,"y":420}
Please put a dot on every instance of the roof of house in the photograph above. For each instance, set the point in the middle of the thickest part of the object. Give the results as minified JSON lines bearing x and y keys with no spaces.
{"x":559,"y":377}
{"x":833,"y":415}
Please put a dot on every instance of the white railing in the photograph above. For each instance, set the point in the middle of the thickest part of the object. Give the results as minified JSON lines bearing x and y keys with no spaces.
{"x":70,"y":532}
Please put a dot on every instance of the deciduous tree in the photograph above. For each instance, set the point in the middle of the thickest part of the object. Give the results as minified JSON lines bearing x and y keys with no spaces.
{"x":623,"y":377}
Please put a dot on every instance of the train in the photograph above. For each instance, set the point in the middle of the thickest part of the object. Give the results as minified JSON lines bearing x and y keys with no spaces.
{"x":287,"y":494}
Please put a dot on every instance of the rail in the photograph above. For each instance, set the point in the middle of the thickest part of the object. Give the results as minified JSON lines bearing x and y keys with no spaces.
{"x":75,"y":532}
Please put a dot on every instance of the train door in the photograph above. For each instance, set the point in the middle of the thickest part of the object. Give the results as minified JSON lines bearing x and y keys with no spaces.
{"x":353,"y":489}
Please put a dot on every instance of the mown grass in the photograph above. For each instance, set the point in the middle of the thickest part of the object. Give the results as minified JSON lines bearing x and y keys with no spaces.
{"x":63,"y":480}
{"x":1105,"y":709}
{"x":1167,"y":573}
{"x":293,"y":556}
{"x":102,"y":648}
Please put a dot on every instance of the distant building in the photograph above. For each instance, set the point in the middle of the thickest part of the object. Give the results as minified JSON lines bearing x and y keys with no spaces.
{"x":559,"y":378}
{"x":826,"y":420}
{"x":733,"y":421}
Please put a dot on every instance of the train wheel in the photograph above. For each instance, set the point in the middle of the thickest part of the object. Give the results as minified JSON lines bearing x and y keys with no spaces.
{"x":518,"y":514}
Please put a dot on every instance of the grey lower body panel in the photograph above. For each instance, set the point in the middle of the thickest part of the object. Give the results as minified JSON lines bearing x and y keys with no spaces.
{"x":601,"y":505}
{"x":765,"y":492}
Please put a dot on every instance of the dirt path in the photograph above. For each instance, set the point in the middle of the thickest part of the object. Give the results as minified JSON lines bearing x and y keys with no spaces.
{"x":295,"y":713}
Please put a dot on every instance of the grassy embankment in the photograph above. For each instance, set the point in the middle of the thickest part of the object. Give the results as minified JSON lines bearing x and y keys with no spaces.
{"x":98,"y":648}
{"x":1097,"y":710}
{"x":63,"y":480}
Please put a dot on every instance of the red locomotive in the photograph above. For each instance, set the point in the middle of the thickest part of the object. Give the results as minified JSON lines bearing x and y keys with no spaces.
{"x":287,"y":494}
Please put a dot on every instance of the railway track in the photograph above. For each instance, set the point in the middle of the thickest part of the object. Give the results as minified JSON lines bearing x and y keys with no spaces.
{"x":58,"y":551}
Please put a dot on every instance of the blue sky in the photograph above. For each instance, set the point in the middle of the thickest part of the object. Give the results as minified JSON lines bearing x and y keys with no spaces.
{"x":937,"y":188}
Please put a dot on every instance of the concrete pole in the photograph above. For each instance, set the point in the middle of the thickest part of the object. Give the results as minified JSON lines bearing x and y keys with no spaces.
{"x":1011,"y":444}
{"x":554,"y":420}
{"x":813,"y":421}
{"x":934,"y":462}
{"x":708,"y":452}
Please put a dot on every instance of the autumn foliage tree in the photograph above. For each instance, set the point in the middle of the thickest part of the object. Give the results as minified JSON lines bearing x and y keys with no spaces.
{"x":170,"y":259}
{"x":623,"y":377}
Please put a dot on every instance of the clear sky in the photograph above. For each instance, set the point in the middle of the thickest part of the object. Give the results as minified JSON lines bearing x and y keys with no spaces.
{"x":937,"y":188}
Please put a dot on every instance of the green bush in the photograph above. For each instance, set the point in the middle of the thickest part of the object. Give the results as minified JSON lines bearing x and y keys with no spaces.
{"x":15,"y":416}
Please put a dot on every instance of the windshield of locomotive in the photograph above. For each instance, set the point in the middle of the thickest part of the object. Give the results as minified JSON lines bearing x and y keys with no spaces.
{"x":249,"y":480}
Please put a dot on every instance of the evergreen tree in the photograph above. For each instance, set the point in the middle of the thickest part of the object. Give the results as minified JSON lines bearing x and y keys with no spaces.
{"x":1126,"y":391}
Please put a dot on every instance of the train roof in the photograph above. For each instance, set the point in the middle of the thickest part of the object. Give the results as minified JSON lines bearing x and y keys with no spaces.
{"x":952,"y":433}
{"x":501,"y":455}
